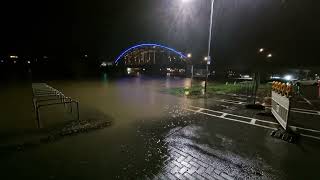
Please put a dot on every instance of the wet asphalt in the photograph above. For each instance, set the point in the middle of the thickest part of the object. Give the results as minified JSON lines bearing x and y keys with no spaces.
{"x":156,"y":136}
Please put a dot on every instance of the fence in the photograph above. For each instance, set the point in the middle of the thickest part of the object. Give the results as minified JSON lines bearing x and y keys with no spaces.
{"x":45,"y":95}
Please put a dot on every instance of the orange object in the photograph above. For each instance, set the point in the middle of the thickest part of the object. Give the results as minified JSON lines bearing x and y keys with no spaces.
{"x":273,"y":85}
{"x":276,"y":86}
{"x":288,"y":90}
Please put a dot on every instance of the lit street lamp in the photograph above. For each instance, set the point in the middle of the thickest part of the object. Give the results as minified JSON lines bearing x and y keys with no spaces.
{"x":189,"y":55}
{"x":269,"y":55}
{"x":261,"y":50}
{"x":209,"y":43}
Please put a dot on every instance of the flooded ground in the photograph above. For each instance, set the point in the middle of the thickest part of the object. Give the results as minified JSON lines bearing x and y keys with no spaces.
{"x":154,"y":135}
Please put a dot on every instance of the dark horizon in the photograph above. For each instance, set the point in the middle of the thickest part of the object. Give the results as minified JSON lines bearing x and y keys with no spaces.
{"x":286,"y":28}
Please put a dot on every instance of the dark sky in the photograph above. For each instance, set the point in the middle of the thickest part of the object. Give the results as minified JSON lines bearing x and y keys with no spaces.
{"x":288,"y":28}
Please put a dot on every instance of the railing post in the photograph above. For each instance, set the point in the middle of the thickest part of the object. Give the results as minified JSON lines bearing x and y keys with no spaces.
{"x":78,"y":111}
{"x":38,"y":117}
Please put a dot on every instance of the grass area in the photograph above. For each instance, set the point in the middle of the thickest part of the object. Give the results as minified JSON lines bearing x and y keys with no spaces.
{"x":214,"y":88}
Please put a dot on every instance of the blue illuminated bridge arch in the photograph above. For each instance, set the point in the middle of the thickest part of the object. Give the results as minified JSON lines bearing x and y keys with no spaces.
{"x":148,"y":45}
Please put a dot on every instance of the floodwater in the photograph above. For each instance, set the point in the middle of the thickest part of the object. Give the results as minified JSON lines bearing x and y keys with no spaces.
{"x":150,"y":131}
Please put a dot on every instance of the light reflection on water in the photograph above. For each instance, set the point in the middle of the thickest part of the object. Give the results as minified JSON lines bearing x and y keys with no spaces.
{"x":125,"y":99}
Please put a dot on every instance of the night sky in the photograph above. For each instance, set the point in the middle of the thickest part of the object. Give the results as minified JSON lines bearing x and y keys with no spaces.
{"x":288,"y":28}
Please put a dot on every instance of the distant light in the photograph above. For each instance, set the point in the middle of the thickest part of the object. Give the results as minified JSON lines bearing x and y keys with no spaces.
{"x":45,"y":57}
{"x":129,"y":70}
{"x":28,"y":62}
{"x":2,"y":61}
{"x":275,"y":77}
{"x":261,"y":50}
{"x":103,"y":64}
{"x":85,"y":55}
{"x":206,"y":58}
{"x":14,"y":62}
{"x":189,"y":55}
{"x":269,"y":55}
{"x":287,"y":77}
{"x":14,"y":57}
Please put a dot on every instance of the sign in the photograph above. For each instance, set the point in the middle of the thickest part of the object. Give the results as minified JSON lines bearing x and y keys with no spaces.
{"x":280,"y":108}
{"x":281,"y":94}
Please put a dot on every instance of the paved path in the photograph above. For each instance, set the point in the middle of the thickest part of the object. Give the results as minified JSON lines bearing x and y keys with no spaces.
{"x":183,"y":165}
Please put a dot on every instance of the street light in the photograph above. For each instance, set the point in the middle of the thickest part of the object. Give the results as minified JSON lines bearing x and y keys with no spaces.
{"x":189,"y":55}
{"x":261,"y":50}
{"x":209,"y":42}
{"x":269,"y":55}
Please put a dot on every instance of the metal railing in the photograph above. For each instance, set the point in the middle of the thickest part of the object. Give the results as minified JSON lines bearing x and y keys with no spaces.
{"x":45,"y":95}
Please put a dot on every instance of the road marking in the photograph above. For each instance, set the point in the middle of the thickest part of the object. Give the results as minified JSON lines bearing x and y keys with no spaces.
{"x":224,"y":115}
{"x":225,"y":106}
{"x":306,"y":129}
{"x":252,"y":122}
{"x":296,"y":110}
{"x":229,"y":101}
{"x":307,"y":101}
{"x":317,"y":113}
{"x":249,"y":118}
{"x":230,"y":119}
{"x":199,"y":110}
{"x":259,"y":120}
{"x":309,"y":110}
{"x":309,"y":136}
{"x":303,"y":112}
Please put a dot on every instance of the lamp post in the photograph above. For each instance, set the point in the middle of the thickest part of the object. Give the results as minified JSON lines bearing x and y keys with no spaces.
{"x":209,"y":43}
{"x":209,"y":46}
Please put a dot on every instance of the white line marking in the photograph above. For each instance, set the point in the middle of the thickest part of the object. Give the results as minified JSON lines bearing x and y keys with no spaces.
{"x":318,"y":138}
{"x":249,"y":118}
{"x":224,"y":106}
{"x":306,"y":129}
{"x":224,"y":115}
{"x":230,"y":119}
{"x":252,"y":122}
{"x":303,"y":112}
{"x":296,"y":110}
{"x":308,"y":110}
{"x":307,"y":101}
{"x":230,"y":102}
{"x":199,"y":110}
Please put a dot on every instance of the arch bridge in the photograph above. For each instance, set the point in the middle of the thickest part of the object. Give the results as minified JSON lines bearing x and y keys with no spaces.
{"x":148,"y":54}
